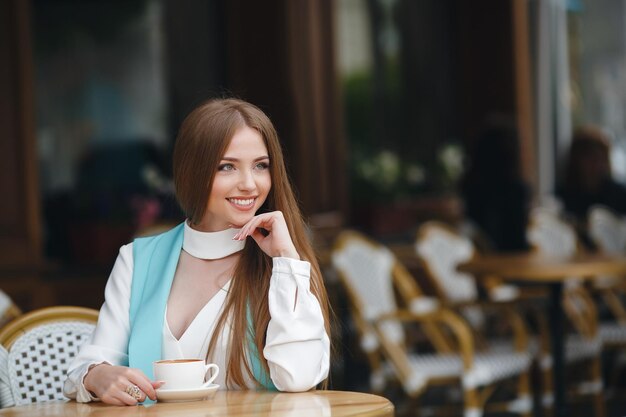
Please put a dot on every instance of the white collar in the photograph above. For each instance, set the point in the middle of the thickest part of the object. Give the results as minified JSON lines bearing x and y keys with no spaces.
{"x":210,"y":245}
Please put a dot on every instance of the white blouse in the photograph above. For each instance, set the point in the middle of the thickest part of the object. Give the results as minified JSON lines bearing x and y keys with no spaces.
{"x":295,"y":331}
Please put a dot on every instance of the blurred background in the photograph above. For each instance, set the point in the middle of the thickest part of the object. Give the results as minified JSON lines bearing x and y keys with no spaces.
{"x":378,"y":103}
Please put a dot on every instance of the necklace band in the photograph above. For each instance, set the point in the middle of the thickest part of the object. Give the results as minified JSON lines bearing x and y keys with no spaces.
{"x":211,"y":245}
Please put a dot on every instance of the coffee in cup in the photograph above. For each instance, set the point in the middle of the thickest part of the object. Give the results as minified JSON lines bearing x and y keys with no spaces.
{"x":184,"y":373}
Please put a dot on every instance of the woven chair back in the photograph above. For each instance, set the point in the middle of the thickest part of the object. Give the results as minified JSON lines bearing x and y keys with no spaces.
{"x":442,"y":250}
{"x":366,"y":269}
{"x":608,"y":230}
{"x":37,"y":349}
{"x":550,"y":235}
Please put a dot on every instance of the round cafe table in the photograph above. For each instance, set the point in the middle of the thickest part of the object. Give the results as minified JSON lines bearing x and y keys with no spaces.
{"x":226,"y":404}
{"x":552,"y":272}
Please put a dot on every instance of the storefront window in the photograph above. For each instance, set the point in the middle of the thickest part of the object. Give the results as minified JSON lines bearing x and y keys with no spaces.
{"x":597,"y":62}
{"x":102,"y":131}
{"x":397,"y":67}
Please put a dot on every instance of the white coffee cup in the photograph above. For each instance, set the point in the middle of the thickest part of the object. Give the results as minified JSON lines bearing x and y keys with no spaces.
{"x":184,"y":373}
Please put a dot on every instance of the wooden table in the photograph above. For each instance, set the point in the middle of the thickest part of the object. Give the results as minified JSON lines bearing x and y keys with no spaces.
{"x":552,"y":272}
{"x":226,"y":404}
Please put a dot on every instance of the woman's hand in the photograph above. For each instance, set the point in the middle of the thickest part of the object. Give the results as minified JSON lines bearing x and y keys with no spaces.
{"x":277,"y":242}
{"x":109,"y":383}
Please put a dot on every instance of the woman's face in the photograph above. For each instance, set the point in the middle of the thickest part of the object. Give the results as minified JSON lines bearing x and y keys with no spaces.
{"x":241,"y":185}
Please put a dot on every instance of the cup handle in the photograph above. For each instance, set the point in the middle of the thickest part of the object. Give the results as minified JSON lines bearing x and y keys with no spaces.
{"x":214,"y":374}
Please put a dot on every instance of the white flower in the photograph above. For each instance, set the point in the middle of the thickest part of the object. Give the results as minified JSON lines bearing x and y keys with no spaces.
{"x":451,"y":158}
{"x":382,"y":170}
{"x":389,"y":165}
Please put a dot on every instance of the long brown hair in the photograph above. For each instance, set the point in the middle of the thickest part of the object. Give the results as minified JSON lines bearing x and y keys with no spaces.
{"x":201,"y":143}
{"x":589,"y":144}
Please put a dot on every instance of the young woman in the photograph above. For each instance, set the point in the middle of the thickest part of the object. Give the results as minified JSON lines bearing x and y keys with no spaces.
{"x":588,"y":178}
{"x":237,"y":283}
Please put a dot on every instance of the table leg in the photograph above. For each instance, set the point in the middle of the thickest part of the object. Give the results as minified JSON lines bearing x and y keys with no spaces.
{"x":557,"y":319}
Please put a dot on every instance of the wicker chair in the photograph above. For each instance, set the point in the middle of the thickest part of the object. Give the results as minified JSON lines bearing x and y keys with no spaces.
{"x":370,"y":273}
{"x":441,"y":249}
{"x":550,"y":235}
{"x":608,"y":231}
{"x":36,"y":351}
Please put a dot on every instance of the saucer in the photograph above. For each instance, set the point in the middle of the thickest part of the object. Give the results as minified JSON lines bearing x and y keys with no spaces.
{"x":191,"y":394}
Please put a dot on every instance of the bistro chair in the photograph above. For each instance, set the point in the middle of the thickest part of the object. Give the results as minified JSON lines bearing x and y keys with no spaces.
{"x":608,"y":232}
{"x":607,"y":229}
{"x":371,"y":275}
{"x":36,"y":350}
{"x":550,"y":235}
{"x":441,"y":248}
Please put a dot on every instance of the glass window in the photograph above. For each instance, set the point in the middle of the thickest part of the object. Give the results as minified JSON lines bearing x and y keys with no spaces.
{"x":597,"y":59}
{"x":102,"y":129}
{"x":399,"y":97}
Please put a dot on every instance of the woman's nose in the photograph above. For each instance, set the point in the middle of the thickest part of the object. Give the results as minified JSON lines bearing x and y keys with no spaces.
{"x":246,"y":180}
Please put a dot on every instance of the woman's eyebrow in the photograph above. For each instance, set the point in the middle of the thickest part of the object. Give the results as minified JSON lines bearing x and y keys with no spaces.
{"x":231,"y":159}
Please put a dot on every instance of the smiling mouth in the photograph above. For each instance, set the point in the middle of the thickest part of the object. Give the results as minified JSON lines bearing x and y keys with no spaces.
{"x":243,"y":203}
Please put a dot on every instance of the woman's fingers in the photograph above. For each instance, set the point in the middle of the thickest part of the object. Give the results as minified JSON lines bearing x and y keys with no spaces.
{"x":257,"y":234}
{"x":157,"y":384}
{"x":120,"y":385}
{"x":117,"y":395}
{"x":128,"y":399}
{"x":255,"y":223}
{"x":264,"y":220}
{"x":276,"y":241}
{"x":138,"y":378}
{"x":245,"y":230}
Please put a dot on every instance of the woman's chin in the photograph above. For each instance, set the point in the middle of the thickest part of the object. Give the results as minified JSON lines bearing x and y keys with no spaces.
{"x":239,"y":222}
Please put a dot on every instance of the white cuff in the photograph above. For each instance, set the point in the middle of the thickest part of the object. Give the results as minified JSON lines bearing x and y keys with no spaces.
{"x":291,"y":266}
{"x":82,"y":394}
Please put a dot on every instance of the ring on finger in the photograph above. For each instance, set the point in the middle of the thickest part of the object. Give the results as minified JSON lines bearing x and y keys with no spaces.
{"x":134,"y":391}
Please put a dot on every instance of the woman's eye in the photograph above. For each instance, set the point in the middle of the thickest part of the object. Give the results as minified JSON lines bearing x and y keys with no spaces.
{"x":262,"y":165}
{"x":225,"y":167}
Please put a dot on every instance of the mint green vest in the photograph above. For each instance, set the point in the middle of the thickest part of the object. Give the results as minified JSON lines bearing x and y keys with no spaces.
{"x":155,"y":259}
